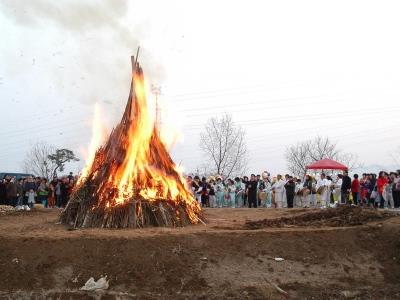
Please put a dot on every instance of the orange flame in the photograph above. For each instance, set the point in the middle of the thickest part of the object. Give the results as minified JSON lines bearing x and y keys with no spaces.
{"x":145,"y":171}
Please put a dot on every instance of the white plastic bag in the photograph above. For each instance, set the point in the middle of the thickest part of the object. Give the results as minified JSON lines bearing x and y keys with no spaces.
{"x":92,"y":285}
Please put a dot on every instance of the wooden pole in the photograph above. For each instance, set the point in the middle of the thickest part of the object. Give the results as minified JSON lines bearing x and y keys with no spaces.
{"x":137,"y":54}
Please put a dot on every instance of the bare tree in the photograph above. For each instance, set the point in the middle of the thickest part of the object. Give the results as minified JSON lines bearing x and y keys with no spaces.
{"x":44,"y":160}
{"x":300,"y":155}
{"x":323,"y":147}
{"x":37,"y":160}
{"x":224,"y":145}
{"x":350,"y":160}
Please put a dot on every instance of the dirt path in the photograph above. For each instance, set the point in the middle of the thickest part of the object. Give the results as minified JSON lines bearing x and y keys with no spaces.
{"x":219,"y":261}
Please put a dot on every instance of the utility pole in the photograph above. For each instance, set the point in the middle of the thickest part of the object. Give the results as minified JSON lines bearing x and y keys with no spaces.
{"x":156,"y":90}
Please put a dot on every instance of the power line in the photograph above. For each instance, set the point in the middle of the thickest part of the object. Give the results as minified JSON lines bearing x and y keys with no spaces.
{"x":200,"y":125}
{"x":32,"y":129}
{"x":254,"y":121}
{"x":228,"y":91}
{"x":253,"y":140}
{"x":314,"y":116}
{"x":264,"y":101}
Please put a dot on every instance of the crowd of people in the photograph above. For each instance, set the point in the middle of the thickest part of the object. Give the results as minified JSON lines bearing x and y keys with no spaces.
{"x":25,"y":192}
{"x":382,"y":191}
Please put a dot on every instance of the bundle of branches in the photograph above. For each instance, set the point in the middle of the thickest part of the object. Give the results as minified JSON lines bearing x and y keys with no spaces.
{"x":155,"y":195}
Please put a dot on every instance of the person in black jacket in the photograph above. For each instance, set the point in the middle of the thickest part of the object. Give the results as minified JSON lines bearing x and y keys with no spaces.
{"x":290,"y":187}
{"x":20,"y":193}
{"x":12,"y":192}
{"x":346,"y":188}
{"x":204,"y":193}
{"x":3,"y":192}
{"x":251,"y":187}
{"x":245,"y":181}
{"x":211,"y":193}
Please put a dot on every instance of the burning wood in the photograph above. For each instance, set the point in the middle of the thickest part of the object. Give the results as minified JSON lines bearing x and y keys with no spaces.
{"x":132,"y":180}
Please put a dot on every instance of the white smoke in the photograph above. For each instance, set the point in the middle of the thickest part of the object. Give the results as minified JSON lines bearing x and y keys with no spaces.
{"x":88,"y":55}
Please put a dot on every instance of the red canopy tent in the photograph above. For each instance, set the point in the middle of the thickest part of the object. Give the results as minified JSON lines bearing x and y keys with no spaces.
{"x":327,"y":164}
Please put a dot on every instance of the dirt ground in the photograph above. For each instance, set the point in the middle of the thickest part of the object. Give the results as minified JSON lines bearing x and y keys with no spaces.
{"x":232,"y":257}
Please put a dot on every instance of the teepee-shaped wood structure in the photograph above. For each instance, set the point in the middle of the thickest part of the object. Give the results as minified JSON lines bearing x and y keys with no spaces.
{"x":132,"y":181}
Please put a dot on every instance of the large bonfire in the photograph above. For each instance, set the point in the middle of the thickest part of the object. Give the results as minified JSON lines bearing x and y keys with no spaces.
{"x":132,"y":180}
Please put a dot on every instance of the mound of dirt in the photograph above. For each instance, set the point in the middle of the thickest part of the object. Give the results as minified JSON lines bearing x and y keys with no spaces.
{"x":333,"y":217}
{"x":199,"y":262}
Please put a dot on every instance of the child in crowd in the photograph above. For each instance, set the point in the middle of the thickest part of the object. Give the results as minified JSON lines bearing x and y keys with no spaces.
{"x":31,"y":198}
{"x":355,"y":189}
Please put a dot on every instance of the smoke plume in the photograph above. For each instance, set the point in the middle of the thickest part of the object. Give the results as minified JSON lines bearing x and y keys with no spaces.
{"x":88,"y":55}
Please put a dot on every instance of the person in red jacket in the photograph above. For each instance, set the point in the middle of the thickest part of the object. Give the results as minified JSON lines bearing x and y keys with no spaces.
{"x":355,"y":188}
{"x":380,"y":183}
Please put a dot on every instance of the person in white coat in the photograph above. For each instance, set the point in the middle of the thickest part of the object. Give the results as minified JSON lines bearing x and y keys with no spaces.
{"x":322,"y":190}
{"x":329,"y":190}
{"x":298,"y":194}
{"x":279,"y":190}
{"x":337,"y":188}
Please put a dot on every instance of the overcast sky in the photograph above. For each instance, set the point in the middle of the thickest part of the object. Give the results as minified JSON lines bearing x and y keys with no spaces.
{"x":285,"y":70}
